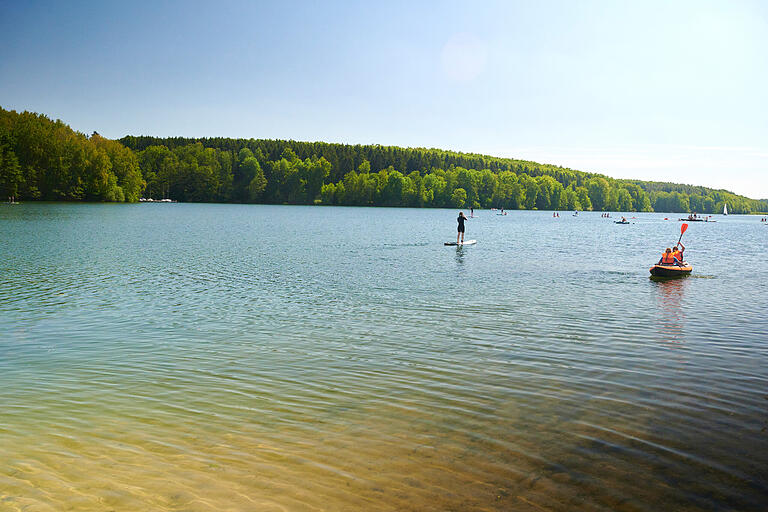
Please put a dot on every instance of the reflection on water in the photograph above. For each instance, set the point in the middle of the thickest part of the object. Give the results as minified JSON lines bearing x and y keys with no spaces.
{"x":460,"y":255}
{"x":194,"y":357}
{"x":671,"y":320}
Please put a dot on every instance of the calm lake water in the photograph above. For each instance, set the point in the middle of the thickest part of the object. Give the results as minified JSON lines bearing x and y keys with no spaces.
{"x":175,"y":357}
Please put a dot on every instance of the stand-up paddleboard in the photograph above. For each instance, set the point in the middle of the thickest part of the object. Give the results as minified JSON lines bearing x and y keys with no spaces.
{"x":465,"y":242}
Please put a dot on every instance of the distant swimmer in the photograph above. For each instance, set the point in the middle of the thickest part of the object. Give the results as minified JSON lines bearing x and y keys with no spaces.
{"x":471,"y":212}
{"x":460,"y":234}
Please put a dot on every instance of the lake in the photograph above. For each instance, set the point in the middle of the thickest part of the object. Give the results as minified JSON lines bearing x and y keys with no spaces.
{"x":197,"y":357}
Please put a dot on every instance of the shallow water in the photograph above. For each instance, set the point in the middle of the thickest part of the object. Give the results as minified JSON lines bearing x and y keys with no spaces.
{"x":233,"y":357}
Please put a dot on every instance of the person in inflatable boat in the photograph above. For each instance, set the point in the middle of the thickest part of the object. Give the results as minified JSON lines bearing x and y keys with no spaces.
{"x":677,"y":252}
{"x":667,"y":258}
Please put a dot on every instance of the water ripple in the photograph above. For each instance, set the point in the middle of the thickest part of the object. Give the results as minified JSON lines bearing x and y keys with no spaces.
{"x":204,"y":359}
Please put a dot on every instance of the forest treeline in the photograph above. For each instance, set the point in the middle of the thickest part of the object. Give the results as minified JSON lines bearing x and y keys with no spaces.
{"x":47,"y":160}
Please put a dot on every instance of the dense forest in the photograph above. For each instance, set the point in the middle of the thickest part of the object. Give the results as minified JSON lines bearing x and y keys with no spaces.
{"x":46,"y":160}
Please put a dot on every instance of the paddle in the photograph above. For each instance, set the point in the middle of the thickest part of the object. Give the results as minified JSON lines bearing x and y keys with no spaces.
{"x":682,"y":230}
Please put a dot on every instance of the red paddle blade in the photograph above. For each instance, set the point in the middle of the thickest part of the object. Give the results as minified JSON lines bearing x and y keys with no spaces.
{"x":683,"y":228}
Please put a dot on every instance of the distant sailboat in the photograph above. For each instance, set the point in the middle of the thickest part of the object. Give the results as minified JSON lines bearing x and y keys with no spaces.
{"x":725,"y":208}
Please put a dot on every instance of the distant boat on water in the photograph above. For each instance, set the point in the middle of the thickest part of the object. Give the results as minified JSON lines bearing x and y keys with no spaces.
{"x":725,"y":208}
{"x":697,"y":218}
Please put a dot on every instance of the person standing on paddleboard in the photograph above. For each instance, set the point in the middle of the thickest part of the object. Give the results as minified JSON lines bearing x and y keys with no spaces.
{"x":460,"y":234}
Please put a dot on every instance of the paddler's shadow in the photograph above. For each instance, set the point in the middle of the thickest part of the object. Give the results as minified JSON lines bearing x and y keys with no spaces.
{"x":671,"y":317}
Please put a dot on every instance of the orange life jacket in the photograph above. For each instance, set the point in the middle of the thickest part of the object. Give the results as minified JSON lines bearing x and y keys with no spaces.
{"x":667,"y":258}
{"x":678,"y":255}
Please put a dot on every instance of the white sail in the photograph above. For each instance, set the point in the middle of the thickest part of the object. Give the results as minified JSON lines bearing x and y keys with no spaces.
{"x":725,"y":208}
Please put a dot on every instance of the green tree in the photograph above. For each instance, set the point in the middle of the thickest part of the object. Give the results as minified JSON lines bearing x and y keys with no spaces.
{"x":549,"y":192}
{"x":225,"y":180}
{"x":257,"y":185}
{"x":531,"y":188}
{"x":599,"y":190}
{"x":159,"y":167}
{"x":316,"y":169}
{"x":328,"y":193}
{"x":459,"y":198}
{"x":582,"y":195}
{"x":251,"y":170}
{"x":623,"y":200}
{"x":101,"y":182}
{"x":10,"y":173}
{"x":125,"y":166}
{"x":487,"y":188}
{"x":392,"y":191}
{"x":469,"y":180}
{"x":707,"y":205}
{"x":434,"y":190}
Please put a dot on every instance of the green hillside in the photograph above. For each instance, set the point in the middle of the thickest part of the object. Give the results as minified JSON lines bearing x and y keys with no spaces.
{"x":46,"y":160}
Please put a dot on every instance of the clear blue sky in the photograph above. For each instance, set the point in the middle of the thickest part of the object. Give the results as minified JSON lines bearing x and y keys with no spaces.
{"x":672,"y":91}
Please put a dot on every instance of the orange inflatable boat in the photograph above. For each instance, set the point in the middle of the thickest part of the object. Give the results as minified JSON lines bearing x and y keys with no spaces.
{"x":671,"y":270}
